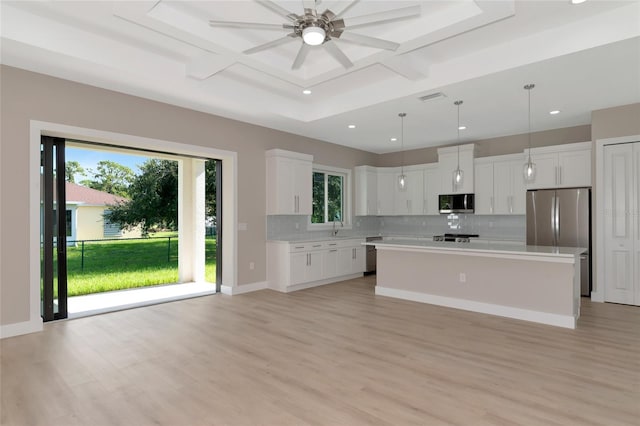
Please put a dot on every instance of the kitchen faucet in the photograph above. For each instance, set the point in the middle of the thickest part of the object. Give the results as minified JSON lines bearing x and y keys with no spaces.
{"x":335,"y":230}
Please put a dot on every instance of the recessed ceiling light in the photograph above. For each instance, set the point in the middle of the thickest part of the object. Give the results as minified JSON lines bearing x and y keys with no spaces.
{"x":577,"y":1}
{"x":554,"y":112}
{"x":351,"y":126}
{"x":393,"y":139}
{"x":462,"y":128}
{"x":306,"y":91}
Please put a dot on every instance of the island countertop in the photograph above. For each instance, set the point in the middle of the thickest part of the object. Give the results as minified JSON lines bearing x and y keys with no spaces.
{"x":486,"y":248}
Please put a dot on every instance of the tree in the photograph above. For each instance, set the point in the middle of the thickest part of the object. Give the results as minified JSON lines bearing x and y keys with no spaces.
{"x":210,"y":187}
{"x":111,"y":177}
{"x":154,"y":197}
{"x":72,"y":168}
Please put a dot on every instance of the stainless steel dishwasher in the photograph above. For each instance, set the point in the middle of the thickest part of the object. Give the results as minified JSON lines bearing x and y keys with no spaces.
{"x":371,"y":256}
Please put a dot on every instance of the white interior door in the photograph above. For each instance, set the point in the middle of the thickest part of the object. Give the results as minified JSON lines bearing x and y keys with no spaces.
{"x":619,"y":234}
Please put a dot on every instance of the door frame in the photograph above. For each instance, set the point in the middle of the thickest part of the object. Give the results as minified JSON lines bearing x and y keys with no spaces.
{"x":598,"y":290}
{"x":54,"y":183}
{"x":229,"y":166}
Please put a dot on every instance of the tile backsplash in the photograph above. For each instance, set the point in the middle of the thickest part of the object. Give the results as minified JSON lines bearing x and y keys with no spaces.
{"x":505,"y":227}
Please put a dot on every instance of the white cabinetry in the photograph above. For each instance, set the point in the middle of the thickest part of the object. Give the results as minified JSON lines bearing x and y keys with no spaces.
{"x":561,"y":166}
{"x":431,"y":189}
{"x":366,"y":191}
{"x":386,"y":191}
{"x":484,"y":186}
{"x":351,"y":260}
{"x":289,"y":182}
{"x":293,"y":266}
{"x":448,"y":162}
{"x":409,"y":201}
{"x":622,"y":223}
{"x":500,"y":185}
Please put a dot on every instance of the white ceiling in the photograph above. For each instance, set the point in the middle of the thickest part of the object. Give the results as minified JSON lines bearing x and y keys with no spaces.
{"x":581,"y":58}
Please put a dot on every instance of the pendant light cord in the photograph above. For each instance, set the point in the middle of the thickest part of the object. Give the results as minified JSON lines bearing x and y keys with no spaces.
{"x":402,"y":116}
{"x":528,"y":87}
{"x":458,"y":103}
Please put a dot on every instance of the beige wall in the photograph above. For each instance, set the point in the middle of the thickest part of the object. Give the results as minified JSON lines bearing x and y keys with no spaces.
{"x":615,"y":122}
{"x":495,"y":146}
{"x":29,"y":96}
{"x":90,"y":224}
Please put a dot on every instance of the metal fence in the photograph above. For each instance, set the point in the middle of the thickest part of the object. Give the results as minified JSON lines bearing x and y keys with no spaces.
{"x":82,"y":245}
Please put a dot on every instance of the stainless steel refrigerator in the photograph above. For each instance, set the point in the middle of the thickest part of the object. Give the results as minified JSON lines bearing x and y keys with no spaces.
{"x":562,"y":218}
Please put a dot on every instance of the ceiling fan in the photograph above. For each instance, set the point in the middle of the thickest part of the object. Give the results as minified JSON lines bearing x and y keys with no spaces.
{"x":322,"y":29}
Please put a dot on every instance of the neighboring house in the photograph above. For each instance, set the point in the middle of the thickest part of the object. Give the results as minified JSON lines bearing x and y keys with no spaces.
{"x":85,"y":215}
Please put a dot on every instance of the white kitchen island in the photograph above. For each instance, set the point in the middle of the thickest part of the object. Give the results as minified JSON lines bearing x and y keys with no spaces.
{"x":532,"y":283}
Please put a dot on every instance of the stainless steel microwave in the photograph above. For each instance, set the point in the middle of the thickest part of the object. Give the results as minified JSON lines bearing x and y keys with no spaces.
{"x":456,"y":203}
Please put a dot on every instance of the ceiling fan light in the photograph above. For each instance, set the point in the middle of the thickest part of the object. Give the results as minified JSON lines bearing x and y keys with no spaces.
{"x":313,"y":36}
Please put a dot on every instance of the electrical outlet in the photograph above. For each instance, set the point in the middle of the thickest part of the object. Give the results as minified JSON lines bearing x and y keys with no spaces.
{"x":252,"y":266}
{"x":463,"y":277}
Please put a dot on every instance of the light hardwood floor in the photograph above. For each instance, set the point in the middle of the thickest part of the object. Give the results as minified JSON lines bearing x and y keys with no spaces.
{"x":331,"y":355}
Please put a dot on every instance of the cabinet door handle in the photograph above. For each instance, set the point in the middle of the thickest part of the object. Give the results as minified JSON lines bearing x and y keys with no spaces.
{"x":331,"y":251}
{"x":299,"y":247}
{"x":510,"y":203}
{"x":491,"y":206}
{"x":559,"y":175}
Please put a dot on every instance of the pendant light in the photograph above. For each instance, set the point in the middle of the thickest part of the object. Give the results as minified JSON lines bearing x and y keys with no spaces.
{"x":529,"y":170}
{"x":458,"y":174}
{"x":402,"y":179}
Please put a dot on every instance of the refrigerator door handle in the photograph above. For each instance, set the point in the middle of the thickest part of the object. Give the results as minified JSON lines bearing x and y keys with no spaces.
{"x":557,"y":220}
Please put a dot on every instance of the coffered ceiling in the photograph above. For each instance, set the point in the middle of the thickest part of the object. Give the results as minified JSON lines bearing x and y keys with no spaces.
{"x":581,"y":58}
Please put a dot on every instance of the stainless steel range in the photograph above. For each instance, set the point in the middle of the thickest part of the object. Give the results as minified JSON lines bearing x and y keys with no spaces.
{"x":455,"y":238}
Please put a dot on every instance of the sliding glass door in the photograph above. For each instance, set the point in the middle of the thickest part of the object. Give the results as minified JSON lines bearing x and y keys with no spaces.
{"x":53,"y":229}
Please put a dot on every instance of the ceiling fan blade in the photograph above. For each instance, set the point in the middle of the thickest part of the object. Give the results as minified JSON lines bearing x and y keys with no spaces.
{"x":346,"y":9}
{"x":251,"y":25}
{"x":271,"y":44}
{"x":338,"y":54}
{"x":277,"y":9}
{"x":369,"y":41}
{"x":301,"y":56}
{"x":380,"y":17}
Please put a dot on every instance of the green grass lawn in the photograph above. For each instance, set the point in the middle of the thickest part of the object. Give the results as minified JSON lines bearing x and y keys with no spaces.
{"x":117,"y":265}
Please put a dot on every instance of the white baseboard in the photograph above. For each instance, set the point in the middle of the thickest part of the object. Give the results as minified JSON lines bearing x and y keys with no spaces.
{"x":566,"y":321}
{"x":245,"y":288}
{"x":18,"y":328}
{"x":319,"y":283}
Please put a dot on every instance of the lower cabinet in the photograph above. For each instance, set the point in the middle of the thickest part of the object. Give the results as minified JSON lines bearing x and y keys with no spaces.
{"x":293,"y":266}
{"x":306,"y":266}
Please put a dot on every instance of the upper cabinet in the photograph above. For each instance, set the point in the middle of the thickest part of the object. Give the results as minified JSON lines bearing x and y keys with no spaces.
{"x":378,"y":192}
{"x":499,"y":185}
{"x":562,"y":166}
{"x":289,"y":182}
{"x":409,"y":201}
{"x":448,"y":162}
{"x":366,"y":191}
{"x":386,"y":191}
{"x":431,"y":188}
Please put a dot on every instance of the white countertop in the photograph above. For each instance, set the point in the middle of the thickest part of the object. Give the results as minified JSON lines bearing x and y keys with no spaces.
{"x":487,"y":248}
{"x":316,"y":239}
